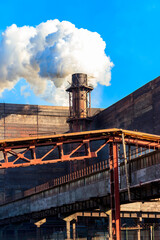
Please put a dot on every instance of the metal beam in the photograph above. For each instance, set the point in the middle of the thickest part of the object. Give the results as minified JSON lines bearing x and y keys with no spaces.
{"x":126,"y":168}
{"x":77,"y":140}
{"x":114,"y":188}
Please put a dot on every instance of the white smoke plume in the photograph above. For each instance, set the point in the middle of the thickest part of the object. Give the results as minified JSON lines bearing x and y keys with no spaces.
{"x":48,"y":54}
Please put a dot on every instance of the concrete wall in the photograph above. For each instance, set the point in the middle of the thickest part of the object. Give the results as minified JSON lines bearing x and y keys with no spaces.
{"x":78,"y":190}
{"x":138,"y":111}
{"x":69,"y":193}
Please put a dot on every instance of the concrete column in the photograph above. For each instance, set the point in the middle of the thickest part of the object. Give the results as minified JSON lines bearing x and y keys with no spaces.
{"x":1,"y":233}
{"x":16,"y":234}
{"x":126,"y":233}
{"x":68,"y":230}
{"x":109,"y":213}
{"x":74,"y":230}
{"x":38,"y":233}
{"x":38,"y":224}
{"x":139,"y":232}
{"x":151,"y":228}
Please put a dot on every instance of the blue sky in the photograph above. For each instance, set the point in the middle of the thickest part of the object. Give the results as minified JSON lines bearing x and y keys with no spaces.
{"x":131,"y":30}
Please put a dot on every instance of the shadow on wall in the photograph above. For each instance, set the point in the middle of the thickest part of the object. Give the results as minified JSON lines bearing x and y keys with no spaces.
{"x":19,"y":120}
{"x":138,"y":111}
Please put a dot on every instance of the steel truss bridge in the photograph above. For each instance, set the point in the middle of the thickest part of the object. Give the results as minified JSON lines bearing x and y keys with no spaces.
{"x":126,"y":150}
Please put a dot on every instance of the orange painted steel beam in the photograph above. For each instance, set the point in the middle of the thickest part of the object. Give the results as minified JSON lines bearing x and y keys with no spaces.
{"x":114,"y":189}
{"x":34,"y":160}
{"x":82,"y":135}
{"x":139,"y":142}
{"x":57,"y":142}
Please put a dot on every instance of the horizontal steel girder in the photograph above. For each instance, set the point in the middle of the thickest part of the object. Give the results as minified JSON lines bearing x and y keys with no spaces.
{"x":76,"y":140}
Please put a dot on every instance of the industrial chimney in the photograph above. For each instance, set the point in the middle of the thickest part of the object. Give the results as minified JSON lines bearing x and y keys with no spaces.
{"x":79,"y":103}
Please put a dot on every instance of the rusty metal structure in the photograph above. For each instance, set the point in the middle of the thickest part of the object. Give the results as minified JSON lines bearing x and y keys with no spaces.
{"x":15,"y":155}
{"x":80,"y":145}
{"x":79,"y":103}
{"x":15,"y":150}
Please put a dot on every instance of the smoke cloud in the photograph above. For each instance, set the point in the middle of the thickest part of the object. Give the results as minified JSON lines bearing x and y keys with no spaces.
{"x":48,"y":54}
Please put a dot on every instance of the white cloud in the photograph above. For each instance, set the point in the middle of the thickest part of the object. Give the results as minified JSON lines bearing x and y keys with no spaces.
{"x":25,"y":91}
{"x":47,"y":55}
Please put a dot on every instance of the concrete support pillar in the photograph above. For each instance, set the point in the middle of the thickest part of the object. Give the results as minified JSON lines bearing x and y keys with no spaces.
{"x":16,"y":234}
{"x":38,"y":233}
{"x":151,"y":229}
{"x":38,"y":224}
{"x":1,"y":233}
{"x":74,"y":230}
{"x":109,"y":213}
{"x":126,"y":233}
{"x":68,"y":230}
{"x":139,"y":232}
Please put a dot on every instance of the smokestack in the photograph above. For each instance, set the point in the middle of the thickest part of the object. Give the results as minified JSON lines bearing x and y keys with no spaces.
{"x":79,"y":102}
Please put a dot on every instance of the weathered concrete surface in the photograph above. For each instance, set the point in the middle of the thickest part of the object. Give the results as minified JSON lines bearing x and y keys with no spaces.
{"x":142,"y":175}
{"x":142,"y":207}
{"x":80,"y":190}
{"x":83,"y":189}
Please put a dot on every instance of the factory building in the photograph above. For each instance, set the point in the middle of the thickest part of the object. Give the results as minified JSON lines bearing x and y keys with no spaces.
{"x":138,"y":111}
